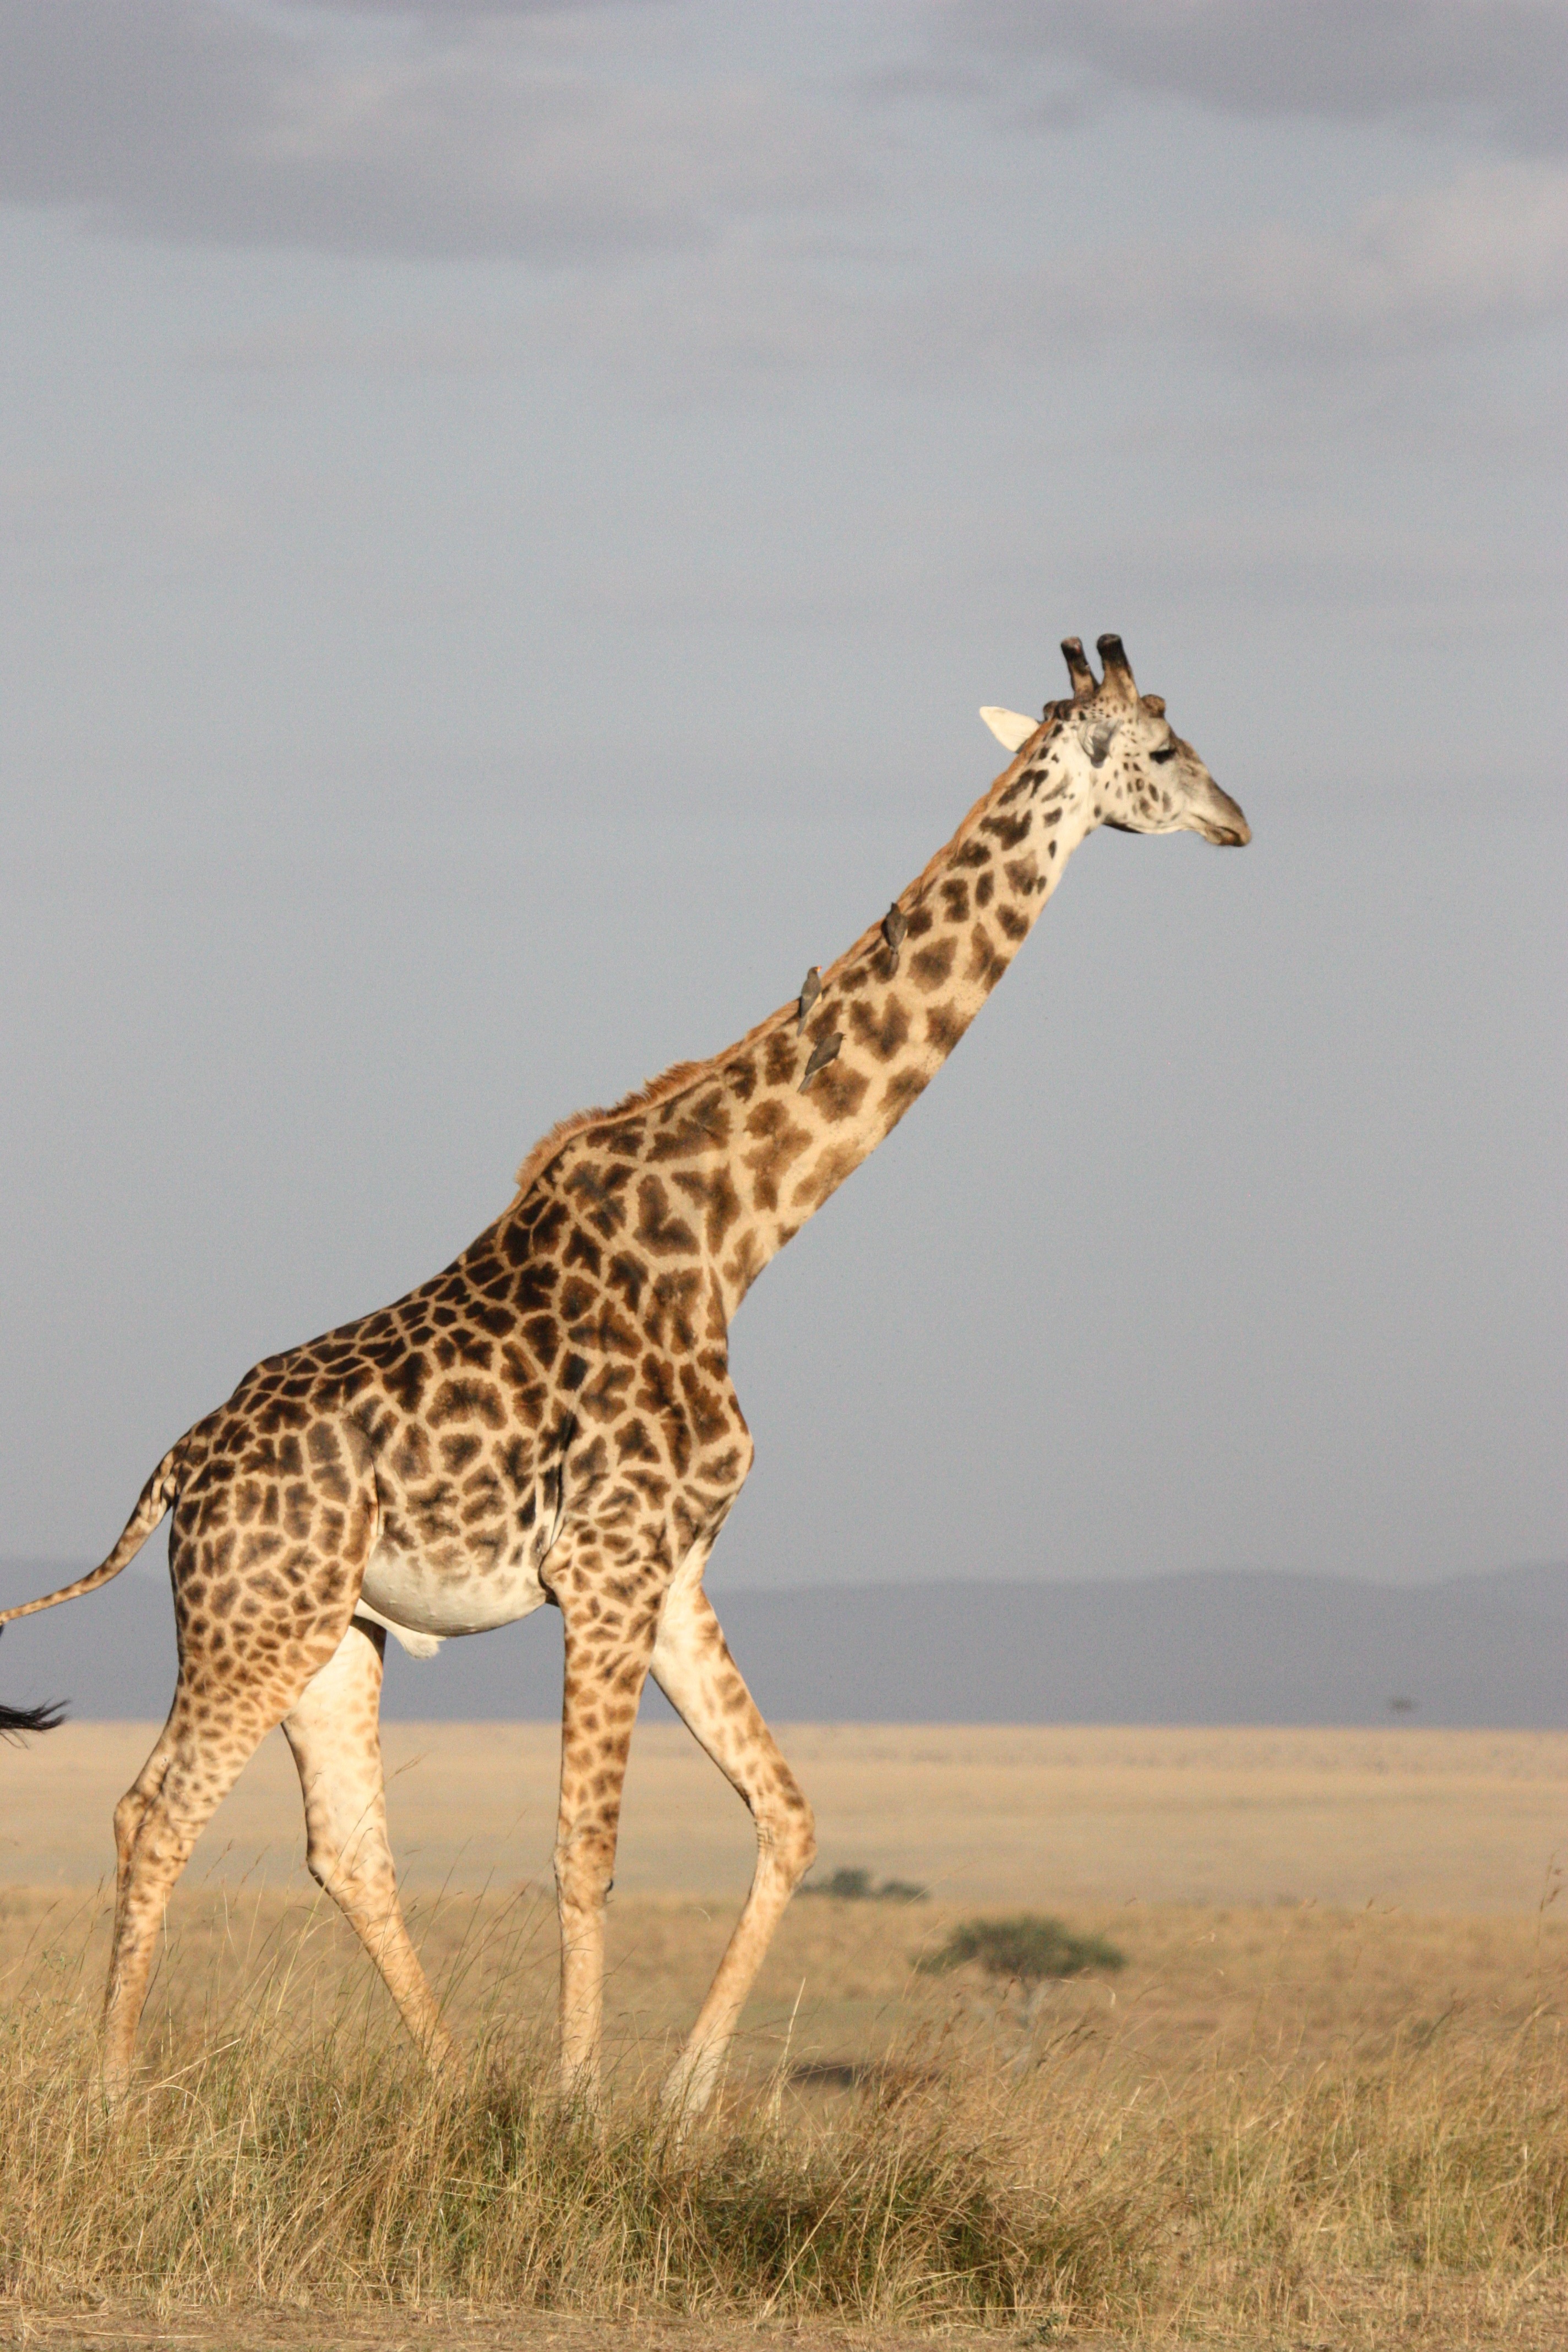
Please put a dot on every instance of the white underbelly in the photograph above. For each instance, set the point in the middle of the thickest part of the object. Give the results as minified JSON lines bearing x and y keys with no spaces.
{"x":423,"y":1605}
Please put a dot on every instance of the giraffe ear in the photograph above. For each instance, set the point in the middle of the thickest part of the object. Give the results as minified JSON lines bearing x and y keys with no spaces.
{"x":1097,"y":736}
{"x":1009,"y":726}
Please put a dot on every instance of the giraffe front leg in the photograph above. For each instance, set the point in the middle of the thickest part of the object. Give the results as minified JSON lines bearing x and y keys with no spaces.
{"x":692,"y":1666}
{"x":609,"y":1642}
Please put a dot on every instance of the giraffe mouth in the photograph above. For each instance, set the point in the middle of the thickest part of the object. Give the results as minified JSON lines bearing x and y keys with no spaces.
{"x":1219,"y":820}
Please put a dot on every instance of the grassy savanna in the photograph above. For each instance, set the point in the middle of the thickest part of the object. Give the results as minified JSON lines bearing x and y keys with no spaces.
{"x":1291,"y":2117}
{"x":999,"y":1815}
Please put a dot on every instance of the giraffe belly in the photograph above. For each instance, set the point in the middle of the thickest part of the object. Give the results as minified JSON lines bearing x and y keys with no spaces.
{"x":411,"y":1597}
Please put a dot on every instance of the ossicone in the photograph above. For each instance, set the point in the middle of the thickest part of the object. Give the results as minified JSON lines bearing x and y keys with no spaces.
{"x":1118,"y":669}
{"x":1084,"y":682}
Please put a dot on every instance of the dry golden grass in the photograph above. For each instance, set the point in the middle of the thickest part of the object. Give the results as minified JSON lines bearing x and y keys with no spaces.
{"x":1324,"y":2123}
{"x":1285,"y":2122}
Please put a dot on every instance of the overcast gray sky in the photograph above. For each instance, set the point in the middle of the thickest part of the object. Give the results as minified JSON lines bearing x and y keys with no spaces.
{"x":508,"y":514}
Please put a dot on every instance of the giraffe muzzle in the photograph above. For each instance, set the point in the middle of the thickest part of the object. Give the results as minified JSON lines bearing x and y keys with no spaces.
{"x":1216,"y":816}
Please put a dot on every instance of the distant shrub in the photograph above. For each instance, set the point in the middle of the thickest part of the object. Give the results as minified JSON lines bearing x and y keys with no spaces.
{"x":854,"y":1886}
{"x":1027,"y":1946}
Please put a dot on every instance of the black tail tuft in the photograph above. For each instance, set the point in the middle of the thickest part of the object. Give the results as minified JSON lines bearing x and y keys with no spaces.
{"x":15,"y":1722}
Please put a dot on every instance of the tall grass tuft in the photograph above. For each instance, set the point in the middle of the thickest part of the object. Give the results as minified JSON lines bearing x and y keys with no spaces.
{"x":335,"y":2170}
{"x":289,"y":2156}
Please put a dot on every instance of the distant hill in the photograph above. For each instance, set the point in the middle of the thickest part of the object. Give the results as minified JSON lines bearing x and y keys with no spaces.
{"x":1216,"y":1647}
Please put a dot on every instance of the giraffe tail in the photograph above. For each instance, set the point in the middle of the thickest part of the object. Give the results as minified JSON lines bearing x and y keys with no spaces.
{"x":161,"y":1491}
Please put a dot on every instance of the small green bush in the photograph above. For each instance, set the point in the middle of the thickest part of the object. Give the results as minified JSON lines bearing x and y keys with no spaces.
{"x":1027,"y":1946}
{"x":854,"y":1886}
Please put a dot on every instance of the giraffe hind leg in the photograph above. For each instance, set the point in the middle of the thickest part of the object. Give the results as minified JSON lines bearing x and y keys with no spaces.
{"x":693,"y":1668}
{"x":332,"y":1728}
{"x":252,"y":1636}
{"x":195,"y":1763}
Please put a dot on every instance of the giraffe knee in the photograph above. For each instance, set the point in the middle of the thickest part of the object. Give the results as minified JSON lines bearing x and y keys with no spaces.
{"x":348,"y":1866}
{"x":803,"y":1844}
{"x":127,"y":1822}
{"x":584,"y":1864}
{"x":145,"y":1792}
{"x":788,"y":1834}
{"x":323,"y":1860}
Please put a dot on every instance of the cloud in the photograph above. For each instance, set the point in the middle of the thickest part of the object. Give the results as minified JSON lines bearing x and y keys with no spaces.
{"x":1488,"y":254}
{"x":184,"y":118}
{"x":1506,"y":60}
{"x":1483,"y":255}
{"x":314,"y":344}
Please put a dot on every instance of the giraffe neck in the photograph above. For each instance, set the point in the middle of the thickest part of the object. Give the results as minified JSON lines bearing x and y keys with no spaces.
{"x":724,"y":1161}
{"x":898,"y":1002}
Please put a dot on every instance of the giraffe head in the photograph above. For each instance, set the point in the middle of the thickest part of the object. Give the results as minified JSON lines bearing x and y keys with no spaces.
{"x":1139,"y":774}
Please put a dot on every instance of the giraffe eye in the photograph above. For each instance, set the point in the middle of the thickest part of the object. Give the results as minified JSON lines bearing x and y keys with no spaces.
{"x":1167,"y":751}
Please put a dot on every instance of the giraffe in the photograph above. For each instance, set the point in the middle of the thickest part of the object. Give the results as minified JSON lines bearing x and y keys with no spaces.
{"x":551,"y":1420}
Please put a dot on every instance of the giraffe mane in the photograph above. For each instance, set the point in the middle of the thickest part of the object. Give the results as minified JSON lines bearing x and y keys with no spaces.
{"x":659,"y":1089}
{"x":686,"y":1074}
{"x":643,"y":1097}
